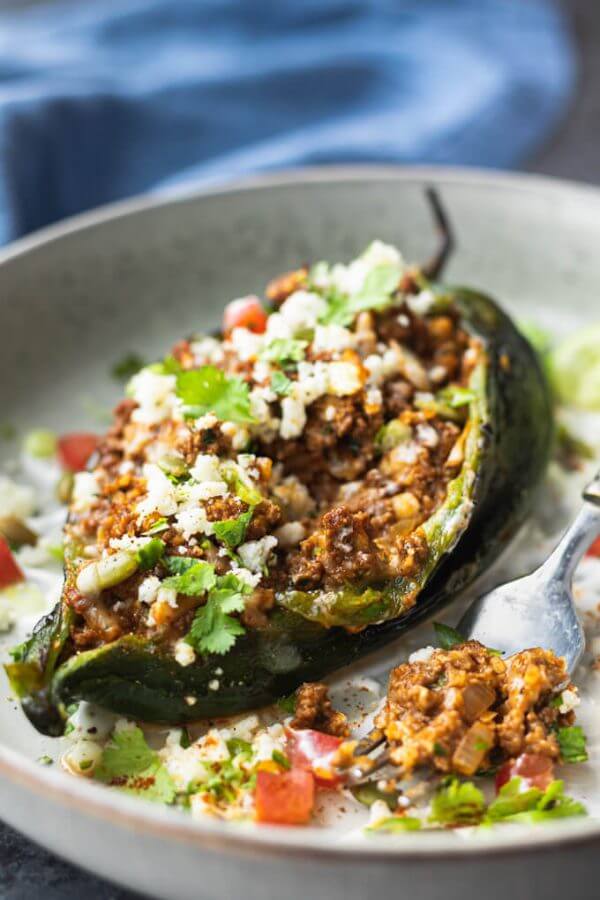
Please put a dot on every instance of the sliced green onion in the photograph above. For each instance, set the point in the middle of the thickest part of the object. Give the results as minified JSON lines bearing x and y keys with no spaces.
{"x":40,"y":443}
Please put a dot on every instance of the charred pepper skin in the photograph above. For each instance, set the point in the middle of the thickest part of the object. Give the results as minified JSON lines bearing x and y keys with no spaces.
{"x":142,"y":680}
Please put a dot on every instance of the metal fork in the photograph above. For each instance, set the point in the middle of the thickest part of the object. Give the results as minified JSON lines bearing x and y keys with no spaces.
{"x":534,"y":611}
{"x":538,"y":610}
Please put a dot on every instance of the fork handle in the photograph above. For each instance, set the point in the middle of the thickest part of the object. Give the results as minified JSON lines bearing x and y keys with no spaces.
{"x":562,"y":562}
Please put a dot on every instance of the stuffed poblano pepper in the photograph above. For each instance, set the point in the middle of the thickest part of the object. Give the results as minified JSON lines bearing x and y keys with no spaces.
{"x":272,"y":504}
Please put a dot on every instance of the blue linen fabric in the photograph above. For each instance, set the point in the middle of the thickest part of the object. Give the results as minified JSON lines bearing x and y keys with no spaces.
{"x":101,"y":100}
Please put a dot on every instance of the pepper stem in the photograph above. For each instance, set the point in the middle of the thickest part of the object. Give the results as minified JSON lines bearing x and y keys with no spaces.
{"x":434,"y":267}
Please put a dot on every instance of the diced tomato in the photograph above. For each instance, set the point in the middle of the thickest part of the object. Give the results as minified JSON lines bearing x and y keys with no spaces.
{"x":10,"y":573}
{"x":313,"y":751}
{"x":247,"y":312}
{"x":534,"y":769}
{"x":284,"y":798}
{"x":595,"y":548}
{"x":74,"y":450}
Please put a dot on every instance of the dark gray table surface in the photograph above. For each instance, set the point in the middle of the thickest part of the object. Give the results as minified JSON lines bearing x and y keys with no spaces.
{"x":26,"y":871}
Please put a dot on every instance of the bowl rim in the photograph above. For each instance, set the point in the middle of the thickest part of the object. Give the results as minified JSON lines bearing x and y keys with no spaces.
{"x":271,"y":841}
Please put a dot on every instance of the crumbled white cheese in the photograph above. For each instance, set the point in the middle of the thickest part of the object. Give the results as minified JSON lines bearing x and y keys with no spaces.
{"x":155,"y":396}
{"x":160,"y":495}
{"x":208,"y":420}
{"x":16,"y":499}
{"x":207,"y":350}
{"x":148,"y":590}
{"x":214,"y":684}
{"x":246,"y":343}
{"x":238,"y":434}
{"x":85,"y":491}
{"x":293,"y":417}
{"x":184,"y":765}
{"x":245,"y":727}
{"x":378,"y":811}
{"x":167,"y":595}
{"x":569,"y":701}
{"x":344,"y":378}
{"x":427,"y":435}
{"x":254,"y":554}
{"x":422,"y":303}
{"x":245,"y":575}
{"x":422,"y":655}
{"x":312,"y":383}
{"x":184,"y":653}
{"x":265,"y":744}
{"x":378,"y":254}
{"x":302,"y":310}
{"x":206,"y":468}
{"x":332,"y":338}
{"x":192,"y":520}
{"x":290,"y":534}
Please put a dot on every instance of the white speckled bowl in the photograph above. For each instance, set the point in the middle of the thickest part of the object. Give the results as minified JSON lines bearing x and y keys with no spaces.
{"x":135,"y":276}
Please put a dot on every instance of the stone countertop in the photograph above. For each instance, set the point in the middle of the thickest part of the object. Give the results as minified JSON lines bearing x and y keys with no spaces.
{"x":27,"y":870}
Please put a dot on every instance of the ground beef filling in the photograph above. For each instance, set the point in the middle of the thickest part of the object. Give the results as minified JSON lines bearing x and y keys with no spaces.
{"x":314,"y":710}
{"x":357,"y":502}
{"x":465,"y":710}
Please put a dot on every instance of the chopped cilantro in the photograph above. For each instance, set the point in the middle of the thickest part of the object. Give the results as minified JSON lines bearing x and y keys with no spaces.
{"x":439,"y":750}
{"x":209,"y":389}
{"x":284,"y":351}
{"x":457,"y":803}
{"x":230,"y":473}
{"x":150,"y":553}
{"x":232,"y":532}
{"x":395,"y":824}
{"x":45,"y":760}
{"x":214,"y":630}
{"x":447,"y":637}
{"x":572,"y":743}
{"x":128,"y":762}
{"x":280,"y":384}
{"x":513,"y":804}
{"x":281,"y":759}
{"x":376,"y":292}
{"x":184,"y":740}
{"x":127,"y":367}
{"x":189,"y":576}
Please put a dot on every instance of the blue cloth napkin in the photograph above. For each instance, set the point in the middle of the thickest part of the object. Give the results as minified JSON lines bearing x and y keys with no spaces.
{"x":101,"y":100}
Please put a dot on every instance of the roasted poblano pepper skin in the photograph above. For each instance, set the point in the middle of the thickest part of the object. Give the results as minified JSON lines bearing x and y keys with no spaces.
{"x":507,"y":461}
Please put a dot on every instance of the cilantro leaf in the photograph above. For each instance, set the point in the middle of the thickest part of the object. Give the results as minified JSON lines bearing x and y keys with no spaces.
{"x":233,"y":531}
{"x":284,"y":351}
{"x":150,"y":553}
{"x":230,"y":473}
{"x":128,"y":762}
{"x":457,"y":803}
{"x":209,"y":389}
{"x":376,"y":293}
{"x":572,"y":743}
{"x":213,"y":629}
{"x":447,"y":637}
{"x":189,"y":576}
{"x":280,"y":384}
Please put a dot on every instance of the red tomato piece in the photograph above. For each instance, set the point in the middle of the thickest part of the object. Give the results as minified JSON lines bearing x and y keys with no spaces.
{"x":247,"y":312}
{"x":74,"y":450}
{"x":313,"y":751}
{"x":533,"y":769}
{"x":285,"y":798}
{"x":595,"y":548}
{"x":10,"y":573}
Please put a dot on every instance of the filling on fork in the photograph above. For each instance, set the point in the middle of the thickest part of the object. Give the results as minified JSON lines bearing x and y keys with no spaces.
{"x":466,"y":710}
